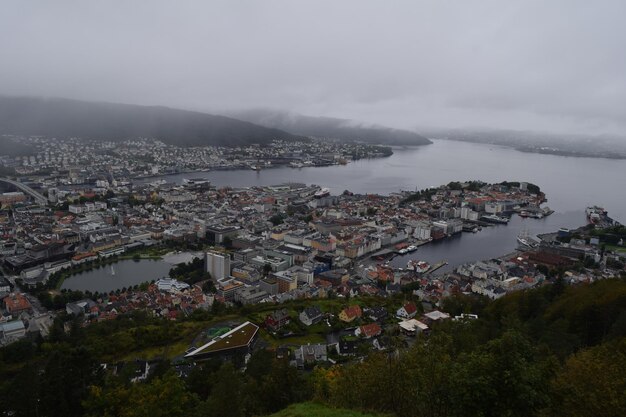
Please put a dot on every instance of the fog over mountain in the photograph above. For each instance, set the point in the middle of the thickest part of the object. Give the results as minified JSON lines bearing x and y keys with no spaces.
{"x":112,"y":121}
{"x":553,"y":66}
{"x":330,"y":127}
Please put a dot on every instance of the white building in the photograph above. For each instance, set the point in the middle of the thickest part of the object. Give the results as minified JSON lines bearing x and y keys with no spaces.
{"x":217,"y":264}
{"x":168,"y":284}
{"x":422,"y":231}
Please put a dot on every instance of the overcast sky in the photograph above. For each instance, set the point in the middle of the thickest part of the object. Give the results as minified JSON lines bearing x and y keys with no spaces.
{"x":534,"y":65}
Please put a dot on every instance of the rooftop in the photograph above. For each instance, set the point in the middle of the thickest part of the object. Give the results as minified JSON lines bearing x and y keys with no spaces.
{"x":240,"y":336}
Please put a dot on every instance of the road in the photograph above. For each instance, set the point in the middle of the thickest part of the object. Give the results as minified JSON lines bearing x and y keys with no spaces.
{"x":39,"y":199}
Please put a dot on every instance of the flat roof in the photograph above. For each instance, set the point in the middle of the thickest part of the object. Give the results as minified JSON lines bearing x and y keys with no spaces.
{"x":412,"y":325}
{"x":437,"y":315}
{"x":238,"y":337}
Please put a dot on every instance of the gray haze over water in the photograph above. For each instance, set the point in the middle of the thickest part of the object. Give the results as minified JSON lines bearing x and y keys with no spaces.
{"x":525,"y":64}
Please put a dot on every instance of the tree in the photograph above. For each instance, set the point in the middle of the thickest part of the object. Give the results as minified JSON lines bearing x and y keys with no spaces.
{"x":226,"y":396}
{"x":276,"y":219}
{"x":503,"y":378}
{"x":201,"y":378}
{"x":592,"y":383}
{"x":455,"y":185}
{"x":161,"y":397}
{"x":260,"y":364}
{"x":281,"y":387}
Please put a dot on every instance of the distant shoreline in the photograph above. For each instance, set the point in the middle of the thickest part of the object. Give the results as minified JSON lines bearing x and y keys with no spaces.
{"x":542,"y":151}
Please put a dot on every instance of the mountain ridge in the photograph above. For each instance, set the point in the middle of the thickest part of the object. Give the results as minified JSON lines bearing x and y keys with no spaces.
{"x":117,"y":122}
{"x":330,"y":127}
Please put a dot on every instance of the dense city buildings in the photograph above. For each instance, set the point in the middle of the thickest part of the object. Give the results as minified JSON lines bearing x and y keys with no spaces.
{"x":279,"y":243}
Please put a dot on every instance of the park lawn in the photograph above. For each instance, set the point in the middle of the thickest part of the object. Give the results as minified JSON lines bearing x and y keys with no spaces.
{"x":311,"y":409}
{"x":615,"y":248}
{"x":274,"y":342}
{"x":185,"y":332}
{"x":169,"y":351}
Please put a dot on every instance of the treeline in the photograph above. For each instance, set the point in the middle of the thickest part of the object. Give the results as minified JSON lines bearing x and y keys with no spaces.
{"x":532,"y":188}
{"x":190,"y":272}
{"x":210,"y":389}
{"x":610,"y":235}
{"x":427,"y":193}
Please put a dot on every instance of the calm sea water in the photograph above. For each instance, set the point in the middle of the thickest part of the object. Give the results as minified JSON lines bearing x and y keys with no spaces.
{"x":571,"y":184}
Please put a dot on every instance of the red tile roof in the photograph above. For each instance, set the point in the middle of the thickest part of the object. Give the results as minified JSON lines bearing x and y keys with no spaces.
{"x":370,"y":330}
{"x":410,"y":308}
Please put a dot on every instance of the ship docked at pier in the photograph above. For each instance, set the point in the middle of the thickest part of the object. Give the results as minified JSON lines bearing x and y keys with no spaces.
{"x":492,"y":218}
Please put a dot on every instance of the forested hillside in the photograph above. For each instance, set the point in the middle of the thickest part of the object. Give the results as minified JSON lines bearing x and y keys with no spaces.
{"x":553,"y":351}
{"x":113,"y":121}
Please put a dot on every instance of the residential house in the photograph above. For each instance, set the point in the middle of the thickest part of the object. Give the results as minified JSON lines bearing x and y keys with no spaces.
{"x":369,"y":330}
{"x":277,"y":319}
{"x":351,"y":313}
{"x":310,"y":354}
{"x":412,"y":327}
{"x":311,"y":315}
{"x":407,"y":311}
{"x":435,"y":316}
{"x":80,"y":307}
{"x":376,"y":313}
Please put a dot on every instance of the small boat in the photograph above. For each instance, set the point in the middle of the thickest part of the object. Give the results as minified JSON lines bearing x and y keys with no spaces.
{"x":412,"y":248}
{"x":403,"y":251}
{"x":112,"y":270}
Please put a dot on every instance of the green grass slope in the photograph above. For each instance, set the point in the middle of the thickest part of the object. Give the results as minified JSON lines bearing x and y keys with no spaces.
{"x":318,"y":410}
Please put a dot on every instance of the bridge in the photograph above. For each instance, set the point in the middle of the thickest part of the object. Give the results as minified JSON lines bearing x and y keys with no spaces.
{"x":39,"y":199}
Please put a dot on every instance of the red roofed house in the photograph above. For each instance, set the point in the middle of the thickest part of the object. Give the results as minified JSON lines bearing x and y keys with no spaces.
{"x":350,"y":313}
{"x":277,"y":319}
{"x":369,"y":330}
{"x":407,"y":311}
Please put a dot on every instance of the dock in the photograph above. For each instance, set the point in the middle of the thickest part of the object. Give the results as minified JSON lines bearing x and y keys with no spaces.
{"x":383,"y":254}
{"x":437,"y":266}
